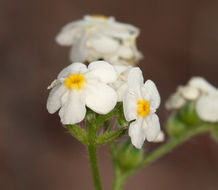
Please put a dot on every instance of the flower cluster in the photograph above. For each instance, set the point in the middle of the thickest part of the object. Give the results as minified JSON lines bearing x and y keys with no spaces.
{"x":104,"y":82}
{"x":99,"y":37}
{"x":200,"y":91}
{"x":78,"y":86}
{"x":109,"y":49}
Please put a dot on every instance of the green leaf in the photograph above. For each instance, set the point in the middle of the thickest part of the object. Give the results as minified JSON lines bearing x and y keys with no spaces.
{"x":109,"y":137}
{"x":79,"y":133}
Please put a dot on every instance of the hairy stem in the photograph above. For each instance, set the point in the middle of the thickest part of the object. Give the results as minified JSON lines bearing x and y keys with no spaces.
{"x":92,"y":147}
{"x":94,"y":166}
{"x":119,"y":179}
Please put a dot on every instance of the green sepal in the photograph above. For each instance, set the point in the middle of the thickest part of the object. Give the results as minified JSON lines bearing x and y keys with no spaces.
{"x":128,"y":157}
{"x":78,"y":133}
{"x":189,"y":115}
{"x":109,"y":137}
{"x":121,"y":120}
{"x":102,"y":118}
{"x":175,"y":127}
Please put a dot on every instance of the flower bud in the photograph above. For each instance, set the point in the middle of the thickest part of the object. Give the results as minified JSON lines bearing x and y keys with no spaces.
{"x":174,"y":126}
{"x":128,"y":156}
{"x":189,"y":115}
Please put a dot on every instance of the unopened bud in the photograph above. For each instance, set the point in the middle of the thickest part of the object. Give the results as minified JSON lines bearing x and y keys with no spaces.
{"x":174,"y":126}
{"x":128,"y":156}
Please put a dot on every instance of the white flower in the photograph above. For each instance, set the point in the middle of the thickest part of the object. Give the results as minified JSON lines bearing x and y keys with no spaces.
{"x":199,"y":90}
{"x":120,"y":85}
{"x":140,"y":104}
{"x":78,"y":86}
{"x":100,"y":37}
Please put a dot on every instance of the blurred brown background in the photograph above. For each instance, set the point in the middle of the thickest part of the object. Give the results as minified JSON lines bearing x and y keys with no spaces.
{"x":179,"y":38}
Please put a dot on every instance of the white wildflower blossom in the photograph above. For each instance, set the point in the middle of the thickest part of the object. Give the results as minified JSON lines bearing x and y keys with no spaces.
{"x":140,"y":103}
{"x":100,"y":37}
{"x":201,"y":91}
{"x":78,"y":86}
{"x":120,"y":85}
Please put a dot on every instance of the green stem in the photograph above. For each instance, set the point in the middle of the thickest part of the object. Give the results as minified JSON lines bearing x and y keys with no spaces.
{"x":165,"y":148}
{"x":94,"y":166}
{"x":92,"y":147}
{"x":174,"y":142}
{"x":119,"y":179}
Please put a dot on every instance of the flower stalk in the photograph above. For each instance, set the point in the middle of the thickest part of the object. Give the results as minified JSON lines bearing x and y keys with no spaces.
{"x":92,"y":148}
{"x":120,"y":178}
{"x":94,"y":166}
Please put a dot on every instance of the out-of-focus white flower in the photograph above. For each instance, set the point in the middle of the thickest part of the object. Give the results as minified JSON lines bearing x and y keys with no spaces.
{"x":78,"y":86}
{"x":201,"y":91}
{"x":207,"y":107}
{"x":120,"y":85}
{"x":140,"y":103}
{"x":100,"y":37}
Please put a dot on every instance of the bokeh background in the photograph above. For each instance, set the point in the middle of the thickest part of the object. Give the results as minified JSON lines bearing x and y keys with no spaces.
{"x":179,"y":39}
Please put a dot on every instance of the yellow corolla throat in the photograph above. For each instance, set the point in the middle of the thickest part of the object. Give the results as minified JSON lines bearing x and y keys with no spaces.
{"x":75,"y":81}
{"x":143,"y":108}
{"x":100,"y":16}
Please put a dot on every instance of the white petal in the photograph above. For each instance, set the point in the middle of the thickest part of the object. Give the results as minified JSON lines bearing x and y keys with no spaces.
{"x":54,"y":98}
{"x":79,"y":51}
{"x":102,"y":71}
{"x":121,"y":68}
{"x":136,"y":133}
{"x":138,"y":55}
{"x":69,"y":33}
{"x":73,"y":111}
{"x":207,"y":107}
{"x":189,"y":92}
{"x":54,"y":83}
{"x":151,"y":125}
{"x":135,"y":81}
{"x":151,"y":93}
{"x":202,"y":84}
{"x":121,"y":31}
{"x":125,"y":52}
{"x":175,"y":101}
{"x":72,"y":68}
{"x":121,"y":92}
{"x":130,"y":106}
{"x":103,"y":44}
{"x":160,"y":137}
{"x":100,"y":97}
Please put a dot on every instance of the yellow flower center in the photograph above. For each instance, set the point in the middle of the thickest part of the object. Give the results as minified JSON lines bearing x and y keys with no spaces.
{"x":75,"y":81}
{"x":100,"y":16}
{"x":143,"y":108}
